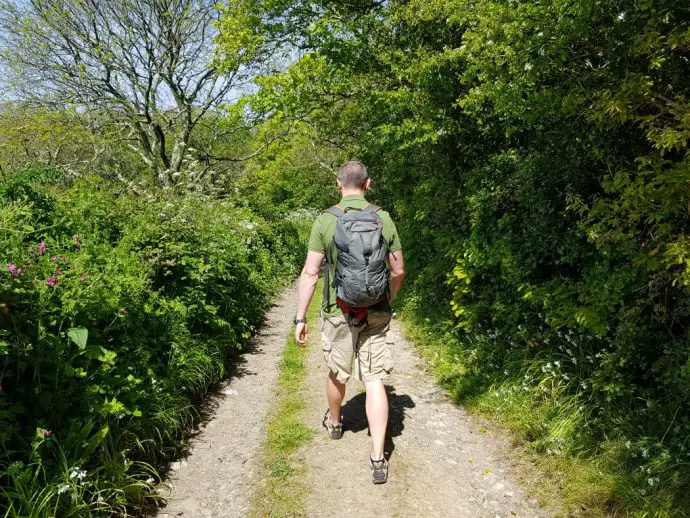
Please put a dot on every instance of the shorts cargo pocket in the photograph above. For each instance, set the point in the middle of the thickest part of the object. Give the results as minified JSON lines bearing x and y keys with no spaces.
{"x":388,"y":352}
{"x":334,"y":331}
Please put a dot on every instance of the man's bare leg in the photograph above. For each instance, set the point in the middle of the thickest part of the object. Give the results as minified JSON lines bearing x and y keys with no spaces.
{"x":336,"y":393}
{"x":377,"y":415}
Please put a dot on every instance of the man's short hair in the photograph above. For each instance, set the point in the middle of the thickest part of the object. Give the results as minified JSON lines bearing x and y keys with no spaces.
{"x":352,"y":174}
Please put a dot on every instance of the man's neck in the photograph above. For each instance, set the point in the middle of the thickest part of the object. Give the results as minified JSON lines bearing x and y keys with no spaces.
{"x":352,"y":192}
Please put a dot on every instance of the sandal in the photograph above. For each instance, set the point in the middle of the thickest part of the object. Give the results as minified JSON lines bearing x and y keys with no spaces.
{"x":379,"y":470}
{"x":335,"y":430}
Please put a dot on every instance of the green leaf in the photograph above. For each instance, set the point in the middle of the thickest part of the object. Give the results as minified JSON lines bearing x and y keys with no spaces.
{"x":79,"y":335}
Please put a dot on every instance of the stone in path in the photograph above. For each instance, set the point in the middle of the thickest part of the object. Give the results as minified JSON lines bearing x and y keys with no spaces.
{"x":213,"y":481}
{"x":443,"y":463}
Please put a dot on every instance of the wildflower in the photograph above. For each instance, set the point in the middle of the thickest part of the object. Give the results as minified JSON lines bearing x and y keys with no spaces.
{"x":63,"y":259}
{"x":83,"y":276}
{"x":150,"y":480}
{"x":53,"y":258}
{"x":75,"y":242}
{"x":557,"y":363}
{"x":627,"y":444}
{"x":14,"y":271}
{"x":123,"y":311}
{"x":62,"y":488}
{"x":51,"y":281}
{"x":42,"y":247}
{"x":78,"y":473}
{"x":47,"y":433}
{"x":58,"y":272}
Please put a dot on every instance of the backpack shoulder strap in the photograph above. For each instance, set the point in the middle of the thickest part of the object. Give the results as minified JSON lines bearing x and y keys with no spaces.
{"x":337,"y":211}
{"x":371,"y":208}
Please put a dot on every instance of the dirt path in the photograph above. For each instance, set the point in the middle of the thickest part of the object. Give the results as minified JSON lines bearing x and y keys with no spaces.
{"x":213,"y":481}
{"x":442,"y":462}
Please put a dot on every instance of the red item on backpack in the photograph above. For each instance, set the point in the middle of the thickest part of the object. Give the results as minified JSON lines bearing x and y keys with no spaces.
{"x":358,"y":314}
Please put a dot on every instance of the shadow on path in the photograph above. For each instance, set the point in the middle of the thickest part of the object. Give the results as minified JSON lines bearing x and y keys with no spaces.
{"x":355,"y":417}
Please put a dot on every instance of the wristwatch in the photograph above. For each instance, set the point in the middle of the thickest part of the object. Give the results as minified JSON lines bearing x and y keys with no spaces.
{"x":302,"y":320}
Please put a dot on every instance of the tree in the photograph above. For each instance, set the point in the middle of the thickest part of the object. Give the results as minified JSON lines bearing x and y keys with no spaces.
{"x":150,"y":65}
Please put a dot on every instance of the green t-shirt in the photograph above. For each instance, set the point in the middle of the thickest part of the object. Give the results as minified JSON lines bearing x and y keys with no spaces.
{"x":322,"y":233}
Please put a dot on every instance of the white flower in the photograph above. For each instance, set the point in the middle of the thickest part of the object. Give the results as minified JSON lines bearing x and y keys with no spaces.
{"x":62,"y":488}
{"x":150,"y":480}
{"x":528,"y":67}
{"x":79,"y":474}
{"x":621,"y":17}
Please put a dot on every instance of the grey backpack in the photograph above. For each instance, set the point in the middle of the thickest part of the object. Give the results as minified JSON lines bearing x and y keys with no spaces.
{"x":361,"y":275}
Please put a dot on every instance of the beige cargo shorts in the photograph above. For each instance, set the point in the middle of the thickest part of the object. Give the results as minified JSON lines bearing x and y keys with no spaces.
{"x":368,"y":349}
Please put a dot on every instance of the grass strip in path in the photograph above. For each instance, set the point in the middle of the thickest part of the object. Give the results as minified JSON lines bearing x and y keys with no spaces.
{"x":282,"y":492}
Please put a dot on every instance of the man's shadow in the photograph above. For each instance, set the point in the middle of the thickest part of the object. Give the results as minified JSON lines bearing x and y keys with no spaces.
{"x":355,"y":417}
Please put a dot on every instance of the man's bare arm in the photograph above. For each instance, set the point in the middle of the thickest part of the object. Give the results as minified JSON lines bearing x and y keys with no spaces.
{"x":305,"y":291}
{"x":397,"y":264}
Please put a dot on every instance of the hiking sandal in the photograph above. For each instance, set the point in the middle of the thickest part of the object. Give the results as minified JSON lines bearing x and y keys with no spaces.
{"x":379,"y":470}
{"x":335,"y":430}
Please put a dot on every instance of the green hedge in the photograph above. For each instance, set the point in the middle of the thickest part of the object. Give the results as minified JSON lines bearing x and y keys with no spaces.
{"x":117,"y":314}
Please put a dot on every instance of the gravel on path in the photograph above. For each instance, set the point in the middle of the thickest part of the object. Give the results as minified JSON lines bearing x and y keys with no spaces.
{"x":213,"y":481}
{"x":443,"y":462}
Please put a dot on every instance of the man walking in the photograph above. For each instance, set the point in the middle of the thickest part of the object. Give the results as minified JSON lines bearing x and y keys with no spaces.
{"x":364,"y":271}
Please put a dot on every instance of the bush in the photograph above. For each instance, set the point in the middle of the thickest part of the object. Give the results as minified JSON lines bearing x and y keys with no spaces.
{"x":117,"y":314}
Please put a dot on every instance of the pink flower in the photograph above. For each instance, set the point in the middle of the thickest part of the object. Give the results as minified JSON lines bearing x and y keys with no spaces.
{"x":42,"y":247}
{"x":83,"y":276}
{"x":58,"y":272}
{"x":63,"y":259}
{"x":53,"y":258}
{"x":47,"y":433}
{"x":14,"y":271}
{"x":51,"y":281}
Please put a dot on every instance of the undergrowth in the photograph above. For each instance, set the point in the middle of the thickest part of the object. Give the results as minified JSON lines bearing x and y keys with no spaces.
{"x":118,"y":313}
{"x":590,"y":461}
